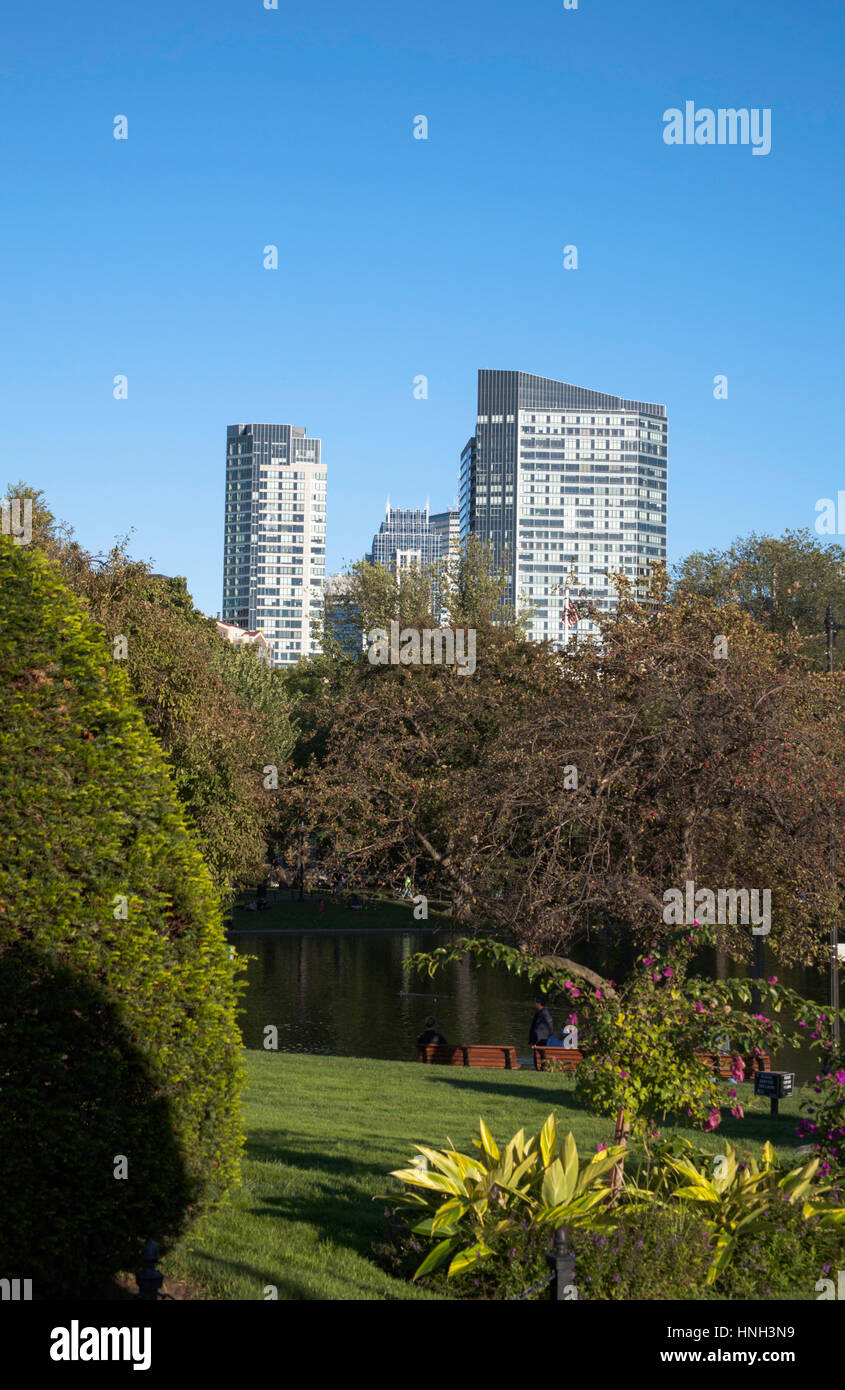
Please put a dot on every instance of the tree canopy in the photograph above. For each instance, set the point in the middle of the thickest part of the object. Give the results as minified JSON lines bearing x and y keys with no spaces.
{"x":556,"y":795}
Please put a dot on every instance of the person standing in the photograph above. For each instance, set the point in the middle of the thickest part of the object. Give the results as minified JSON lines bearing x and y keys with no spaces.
{"x":541,"y":1025}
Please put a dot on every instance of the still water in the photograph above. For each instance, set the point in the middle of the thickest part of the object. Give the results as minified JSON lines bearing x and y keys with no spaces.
{"x":346,"y":993}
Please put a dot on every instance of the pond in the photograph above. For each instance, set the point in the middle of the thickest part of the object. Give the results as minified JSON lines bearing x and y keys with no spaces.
{"x":346,"y":993}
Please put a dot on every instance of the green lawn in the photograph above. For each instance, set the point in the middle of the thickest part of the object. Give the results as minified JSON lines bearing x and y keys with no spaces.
{"x":324,"y":1132}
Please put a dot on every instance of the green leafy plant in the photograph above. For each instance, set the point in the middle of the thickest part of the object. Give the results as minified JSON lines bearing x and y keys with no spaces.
{"x":734,"y":1198}
{"x":464,"y":1203}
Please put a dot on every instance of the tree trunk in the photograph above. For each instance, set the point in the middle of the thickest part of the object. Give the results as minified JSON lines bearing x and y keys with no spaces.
{"x":620,"y":1136}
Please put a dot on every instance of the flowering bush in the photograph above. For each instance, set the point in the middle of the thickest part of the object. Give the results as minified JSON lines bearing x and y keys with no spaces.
{"x":643,"y":1040}
{"x":824,"y":1125}
{"x":642,"y":1062}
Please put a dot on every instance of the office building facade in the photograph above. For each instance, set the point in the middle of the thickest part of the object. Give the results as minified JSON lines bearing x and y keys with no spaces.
{"x":405,"y":538}
{"x":448,"y":527}
{"x":563,"y":481}
{"x":274,"y":557}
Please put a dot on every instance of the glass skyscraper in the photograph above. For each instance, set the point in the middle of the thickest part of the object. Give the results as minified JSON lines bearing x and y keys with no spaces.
{"x":274,"y":556}
{"x":406,"y":538}
{"x":564,"y":481}
{"x":448,"y":527}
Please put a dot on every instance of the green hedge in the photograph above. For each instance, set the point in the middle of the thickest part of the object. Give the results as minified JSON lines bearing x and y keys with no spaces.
{"x":117,"y":1036}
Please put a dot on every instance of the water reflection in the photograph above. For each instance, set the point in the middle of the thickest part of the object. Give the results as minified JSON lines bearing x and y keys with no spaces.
{"x":347,"y":994}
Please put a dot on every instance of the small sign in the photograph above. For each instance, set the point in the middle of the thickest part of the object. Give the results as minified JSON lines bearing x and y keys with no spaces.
{"x":776,"y":1084}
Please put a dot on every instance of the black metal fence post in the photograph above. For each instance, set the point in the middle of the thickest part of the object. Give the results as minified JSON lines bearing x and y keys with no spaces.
{"x":562,"y":1260}
{"x":149,"y":1279}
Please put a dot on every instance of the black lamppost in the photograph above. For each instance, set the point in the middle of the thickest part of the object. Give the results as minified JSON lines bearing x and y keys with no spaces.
{"x":831,"y":627}
{"x":301,"y":858}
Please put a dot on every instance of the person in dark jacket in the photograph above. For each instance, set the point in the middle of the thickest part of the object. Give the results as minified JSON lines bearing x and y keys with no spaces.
{"x":431,"y":1034}
{"x":541,"y":1025}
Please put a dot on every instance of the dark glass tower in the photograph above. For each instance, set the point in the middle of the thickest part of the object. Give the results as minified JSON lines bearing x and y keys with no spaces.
{"x":564,"y":481}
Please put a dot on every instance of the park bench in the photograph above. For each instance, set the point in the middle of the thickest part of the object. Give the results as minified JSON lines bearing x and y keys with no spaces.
{"x":469,"y":1055}
{"x":566,"y":1058}
{"x":721,"y":1063}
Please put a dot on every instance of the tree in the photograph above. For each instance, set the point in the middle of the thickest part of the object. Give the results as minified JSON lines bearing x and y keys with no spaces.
{"x":220,"y":715}
{"x":465,"y":588}
{"x":784,"y":582}
{"x":119,"y":1051}
{"x":556,"y":795}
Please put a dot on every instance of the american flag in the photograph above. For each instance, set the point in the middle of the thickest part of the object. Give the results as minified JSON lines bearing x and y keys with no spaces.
{"x":573,"y":615}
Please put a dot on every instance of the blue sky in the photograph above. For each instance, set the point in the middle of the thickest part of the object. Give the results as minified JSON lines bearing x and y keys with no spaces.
{"x":400,"y":257}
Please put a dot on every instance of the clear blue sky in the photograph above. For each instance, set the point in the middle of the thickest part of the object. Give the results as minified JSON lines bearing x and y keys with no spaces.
{"x":397,"y":256}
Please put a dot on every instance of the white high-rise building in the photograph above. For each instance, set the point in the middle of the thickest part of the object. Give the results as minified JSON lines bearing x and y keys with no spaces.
{"x":274,"y":557}
{"x":564,"y":481}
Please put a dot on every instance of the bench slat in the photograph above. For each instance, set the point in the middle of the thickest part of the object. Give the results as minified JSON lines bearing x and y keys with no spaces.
{"x":469,"y":1055}
{"x":566,"y":1057}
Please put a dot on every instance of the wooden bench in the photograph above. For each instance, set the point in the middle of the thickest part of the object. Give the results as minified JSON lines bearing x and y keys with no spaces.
{"x":721,"y":1063}
{"x":469,"y":1055}
{"x":565,"y":1058}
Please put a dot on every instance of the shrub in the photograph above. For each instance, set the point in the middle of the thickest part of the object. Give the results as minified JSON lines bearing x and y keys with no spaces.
{"x":783,"y":1257}
{"x":469,"y":1206}
{"x":521,"y":1250}
{"x":824,"y":1121}
{"x":652,"y":1253}
{"x":735,"y":1199}
{"x":117,"y":989}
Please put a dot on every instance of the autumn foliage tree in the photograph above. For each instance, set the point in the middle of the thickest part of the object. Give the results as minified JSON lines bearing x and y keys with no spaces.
{"x":555,"y":794}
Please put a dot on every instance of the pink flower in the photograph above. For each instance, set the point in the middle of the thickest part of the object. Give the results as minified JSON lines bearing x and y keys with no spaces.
{"x":600,"y":1147}
{"x":668,"y":972}
{"x":699,"y":1007}
{"x":839,"y":1077}
{"x":648,"y":960}
{"x":712,"y":1121}
{"x":773,"y":979}
{"x":736,"y":1111}
{"x":599,"y":994}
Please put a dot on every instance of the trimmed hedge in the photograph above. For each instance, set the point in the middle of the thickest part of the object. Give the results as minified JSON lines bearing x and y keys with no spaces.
{"x":118,"y":1033}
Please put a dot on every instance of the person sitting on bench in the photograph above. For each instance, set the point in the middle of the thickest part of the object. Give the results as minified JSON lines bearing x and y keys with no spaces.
{"x":431,"y":1034}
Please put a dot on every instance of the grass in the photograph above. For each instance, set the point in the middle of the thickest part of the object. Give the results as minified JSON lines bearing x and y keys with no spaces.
{"x":323,"y":1134}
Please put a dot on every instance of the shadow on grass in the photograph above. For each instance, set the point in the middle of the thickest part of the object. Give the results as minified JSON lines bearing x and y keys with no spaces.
{"x":338,"y":1198}
{"x":521,"y":1089}
{"x":216,"y":1269}
{"x":265,"y":1147}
